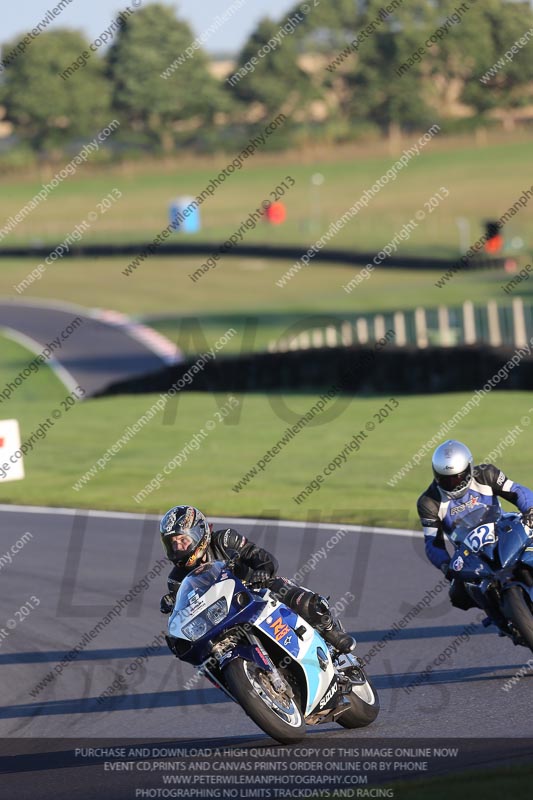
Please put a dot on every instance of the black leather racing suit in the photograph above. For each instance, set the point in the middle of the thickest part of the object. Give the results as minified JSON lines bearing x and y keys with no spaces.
{"x":228,"y":544}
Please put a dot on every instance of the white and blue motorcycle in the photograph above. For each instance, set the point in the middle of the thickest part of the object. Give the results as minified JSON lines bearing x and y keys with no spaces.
{"x":265,"y":657}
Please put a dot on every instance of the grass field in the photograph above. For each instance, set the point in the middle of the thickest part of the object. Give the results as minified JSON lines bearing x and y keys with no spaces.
{"x":482,"y":181}
{"x":242,"y":293}
{"x":357,"y":492}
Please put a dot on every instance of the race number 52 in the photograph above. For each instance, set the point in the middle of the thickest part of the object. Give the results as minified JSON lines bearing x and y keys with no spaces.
{"x":480,"y":537}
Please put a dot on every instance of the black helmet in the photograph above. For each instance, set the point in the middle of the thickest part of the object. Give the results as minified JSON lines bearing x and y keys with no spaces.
{"x":185,"y":534}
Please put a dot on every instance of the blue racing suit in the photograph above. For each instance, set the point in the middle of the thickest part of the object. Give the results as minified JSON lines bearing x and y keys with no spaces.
{"x":438,"y":513}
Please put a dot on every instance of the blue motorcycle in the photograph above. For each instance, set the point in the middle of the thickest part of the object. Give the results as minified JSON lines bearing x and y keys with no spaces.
{"x":265,"y":657}
{"x":494,"y":559}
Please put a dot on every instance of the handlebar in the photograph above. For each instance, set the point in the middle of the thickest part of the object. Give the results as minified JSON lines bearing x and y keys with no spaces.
{"x":248,"y":581}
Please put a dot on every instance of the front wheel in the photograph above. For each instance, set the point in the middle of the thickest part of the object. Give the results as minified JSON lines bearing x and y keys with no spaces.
{"x":517,"y":608}
{"x":276,"y":714}
{"x":364,"y":701}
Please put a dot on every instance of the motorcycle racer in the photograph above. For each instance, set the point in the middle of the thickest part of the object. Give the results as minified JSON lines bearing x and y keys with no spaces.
{"x":188,"y":540}
{"x":459,"y":486}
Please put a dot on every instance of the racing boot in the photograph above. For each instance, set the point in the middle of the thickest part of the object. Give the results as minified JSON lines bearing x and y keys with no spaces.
{"x":330,"y":629}
{"x":496,"y":617}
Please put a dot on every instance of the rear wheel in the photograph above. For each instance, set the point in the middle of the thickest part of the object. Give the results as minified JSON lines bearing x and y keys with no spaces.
{"x":276,"y":713}
{"x":517,"y":608}
{"x":364,"y":701}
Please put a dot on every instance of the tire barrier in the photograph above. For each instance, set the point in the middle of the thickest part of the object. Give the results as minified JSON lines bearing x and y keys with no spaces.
{"x":289,"y":253}
{"x":359,"y":370}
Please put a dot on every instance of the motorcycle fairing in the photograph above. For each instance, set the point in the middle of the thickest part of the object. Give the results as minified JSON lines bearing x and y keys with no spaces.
{"x":511,"y":542}
{"x":182,"y":616}
{"x":303,"y":649}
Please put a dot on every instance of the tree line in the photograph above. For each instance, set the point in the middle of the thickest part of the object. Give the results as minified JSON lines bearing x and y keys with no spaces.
{"x":336,"y":71}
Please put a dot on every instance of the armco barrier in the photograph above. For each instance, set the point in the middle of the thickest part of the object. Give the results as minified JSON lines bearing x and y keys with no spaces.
{"x":360,"y":370}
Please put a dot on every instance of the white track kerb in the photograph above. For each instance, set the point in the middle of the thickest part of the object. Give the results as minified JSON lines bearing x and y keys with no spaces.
{"x":269,"y":523}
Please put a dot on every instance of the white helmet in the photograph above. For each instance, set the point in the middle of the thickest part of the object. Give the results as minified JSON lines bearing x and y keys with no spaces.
{"x":452,"y":464}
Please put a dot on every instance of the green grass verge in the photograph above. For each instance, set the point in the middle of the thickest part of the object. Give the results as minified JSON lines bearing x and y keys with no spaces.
{"x":356,"y":493}
{"x":512,"y":782}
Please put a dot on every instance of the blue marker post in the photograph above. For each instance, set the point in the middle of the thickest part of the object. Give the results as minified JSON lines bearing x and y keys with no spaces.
{"x":182,"y":218}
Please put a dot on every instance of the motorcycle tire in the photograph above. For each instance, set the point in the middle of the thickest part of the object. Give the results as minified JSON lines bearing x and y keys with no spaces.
{"x":364,"y":704}
{"x":517,"y":609}
{"x":249,"y":686}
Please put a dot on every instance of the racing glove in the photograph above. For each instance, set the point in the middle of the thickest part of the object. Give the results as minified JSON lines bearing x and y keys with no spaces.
{"x":167,"y":603}
{"x":527,"y":518}
{"x":447,"y":571}
{"x":260,"y":578}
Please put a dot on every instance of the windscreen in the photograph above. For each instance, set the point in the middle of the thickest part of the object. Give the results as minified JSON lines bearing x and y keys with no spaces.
{"x":480,"y":515}
{"x":198,"y":582}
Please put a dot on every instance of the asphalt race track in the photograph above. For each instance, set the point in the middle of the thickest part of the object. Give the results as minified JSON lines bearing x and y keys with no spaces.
{"x":77,"y":565}
{"x":103,"y":349}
